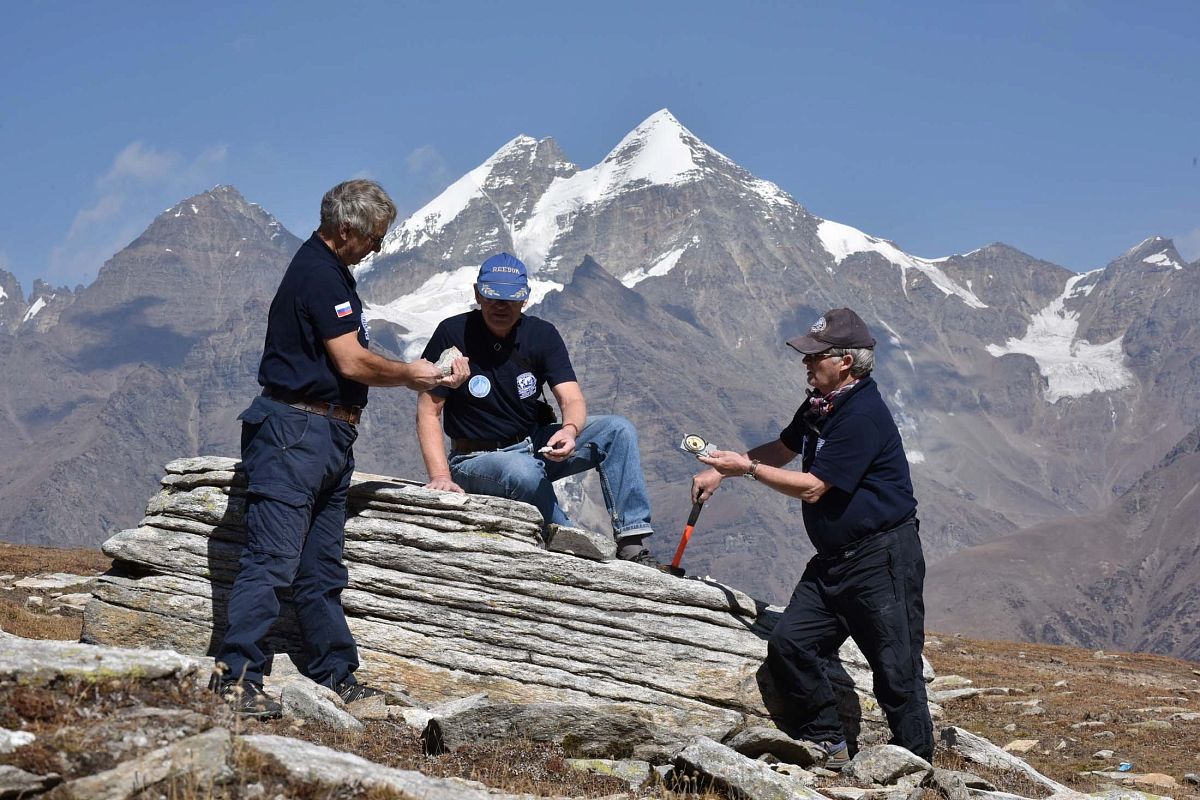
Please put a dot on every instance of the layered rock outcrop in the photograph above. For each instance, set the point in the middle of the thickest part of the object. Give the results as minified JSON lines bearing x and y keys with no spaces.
{"x":456,"y":594}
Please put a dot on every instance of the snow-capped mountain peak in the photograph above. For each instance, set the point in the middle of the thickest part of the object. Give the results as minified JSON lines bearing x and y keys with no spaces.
{"x":658,"y":151}
{"x":501,"y":172}
{"x":1156,"y":251}
{"x":842,"y":241}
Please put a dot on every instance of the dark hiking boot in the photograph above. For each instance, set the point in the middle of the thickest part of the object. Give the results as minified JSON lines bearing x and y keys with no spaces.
{"x":248,"y":699}
{"x":837,"y":755}
{"x":644,"y":558}
{"x":353,"y":692}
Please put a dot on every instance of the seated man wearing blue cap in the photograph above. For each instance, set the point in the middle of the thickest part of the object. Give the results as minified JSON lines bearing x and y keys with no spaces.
{"x":500,"y":444}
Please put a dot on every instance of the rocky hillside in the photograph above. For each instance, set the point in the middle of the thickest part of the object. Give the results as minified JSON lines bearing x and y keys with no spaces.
{"x":1125,"y":578}
{"x":491,"y":698}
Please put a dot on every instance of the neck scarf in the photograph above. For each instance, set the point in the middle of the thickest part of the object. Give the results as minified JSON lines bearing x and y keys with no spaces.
{"x":818,"y":407}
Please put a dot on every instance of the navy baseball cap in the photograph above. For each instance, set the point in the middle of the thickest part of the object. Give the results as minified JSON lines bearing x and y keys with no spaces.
{"x":837,"y":327}
{"x":502,"y":277}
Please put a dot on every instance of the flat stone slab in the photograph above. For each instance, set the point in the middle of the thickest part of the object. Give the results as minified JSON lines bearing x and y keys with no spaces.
{"x":19,"y":783}
{"x":313,"y":763}
{"x":41,"y":661}
{"x":11,"y":740}
{"x":56,"y":580}
{"x":581,"y":542}
{"x":204,"y":758}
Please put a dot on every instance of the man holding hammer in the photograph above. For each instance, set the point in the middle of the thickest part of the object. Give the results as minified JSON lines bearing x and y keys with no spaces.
{"x":867,"y":577}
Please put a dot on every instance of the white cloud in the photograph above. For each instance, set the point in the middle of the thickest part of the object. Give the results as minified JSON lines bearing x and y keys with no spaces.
{"x":424,"y":159}
{"x":106,"y":207}
{"x":1188,"y":244}
{"x":136,"y":186}
{"x":139,"y":162}
{"x":428,"y":169}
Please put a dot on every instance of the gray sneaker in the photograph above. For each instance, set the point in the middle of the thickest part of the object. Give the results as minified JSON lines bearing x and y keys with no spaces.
{"x":837,"y":755}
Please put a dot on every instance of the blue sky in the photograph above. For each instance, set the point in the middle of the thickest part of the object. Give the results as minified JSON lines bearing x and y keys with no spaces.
{"x":1067,"y":129}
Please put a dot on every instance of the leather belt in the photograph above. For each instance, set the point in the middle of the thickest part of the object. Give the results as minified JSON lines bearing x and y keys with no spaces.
{"x":480,"y":445}
{"x":871,"y":538}
{"x":351,"y":414}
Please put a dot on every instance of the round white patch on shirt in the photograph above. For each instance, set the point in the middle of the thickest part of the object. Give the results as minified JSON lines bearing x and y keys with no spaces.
{"x":479,"y":386}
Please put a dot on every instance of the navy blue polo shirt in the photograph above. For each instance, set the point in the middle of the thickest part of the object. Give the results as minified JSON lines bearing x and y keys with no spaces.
{"x":858,"y":452}
{"x":499,"y":401}
{"x":316,"y":300}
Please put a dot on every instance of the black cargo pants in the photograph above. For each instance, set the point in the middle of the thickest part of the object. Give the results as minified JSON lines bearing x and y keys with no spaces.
{"x":298,"y":466}
{"x":874,"y":595}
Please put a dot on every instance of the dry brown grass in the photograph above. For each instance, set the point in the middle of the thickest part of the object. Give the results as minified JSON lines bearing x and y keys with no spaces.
{"x":25,"y":559}
{"x":1110,"y":694}
{"x":510,"y":766}
{"x":16,"y":619}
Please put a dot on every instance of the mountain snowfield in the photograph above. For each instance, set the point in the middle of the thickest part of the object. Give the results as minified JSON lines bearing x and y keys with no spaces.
{"x":1072,"y":367}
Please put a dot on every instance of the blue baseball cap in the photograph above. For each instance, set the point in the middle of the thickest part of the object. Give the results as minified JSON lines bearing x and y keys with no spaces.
{"x":502,"y":277}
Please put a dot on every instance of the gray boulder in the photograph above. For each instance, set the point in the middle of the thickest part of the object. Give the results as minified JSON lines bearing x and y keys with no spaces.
{"x":884,"y":764}
{"x":755,"y":741}
{"x":203,"y":758}
{"x":582,"y":543}
{"x":17,"y":783}
{"x":309,"y":704}
{"x":738,"y":775}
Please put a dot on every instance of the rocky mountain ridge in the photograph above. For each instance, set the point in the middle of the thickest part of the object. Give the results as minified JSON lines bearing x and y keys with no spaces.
{"x":674,"y":276}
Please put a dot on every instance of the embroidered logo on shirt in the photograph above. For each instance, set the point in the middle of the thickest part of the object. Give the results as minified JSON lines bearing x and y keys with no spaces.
{"x":343,"y":309}
{"x":526,"y":385}
{"x":820,"y":444}
{"x":366,"y":329}
{"x":479,"y":386}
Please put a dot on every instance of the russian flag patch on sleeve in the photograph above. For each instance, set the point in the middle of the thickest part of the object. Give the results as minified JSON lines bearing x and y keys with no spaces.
{"x":343,"y":309}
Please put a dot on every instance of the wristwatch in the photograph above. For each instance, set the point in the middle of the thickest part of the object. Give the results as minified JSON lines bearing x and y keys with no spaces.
{"x":750,"y":472}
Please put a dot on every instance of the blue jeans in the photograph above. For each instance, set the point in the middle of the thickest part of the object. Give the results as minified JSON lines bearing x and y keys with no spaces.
{"x":298,"y":466}
{"x":607,"y":444}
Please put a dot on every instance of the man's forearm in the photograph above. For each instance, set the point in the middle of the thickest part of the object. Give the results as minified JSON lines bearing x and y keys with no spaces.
{"x":433,"y":447}
{"x":375,"y":370}
{"x":774,"y":453}
{"x":801,"y":485}
{"x":574,"y":413}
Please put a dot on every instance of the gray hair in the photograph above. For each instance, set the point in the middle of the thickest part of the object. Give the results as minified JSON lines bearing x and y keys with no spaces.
{"x":863,"y":359}
{"x":359,"y":203}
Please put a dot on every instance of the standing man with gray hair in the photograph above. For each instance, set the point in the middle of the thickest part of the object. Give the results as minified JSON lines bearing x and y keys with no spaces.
{"x":867,"y":578}
{"x":297,"y":452}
